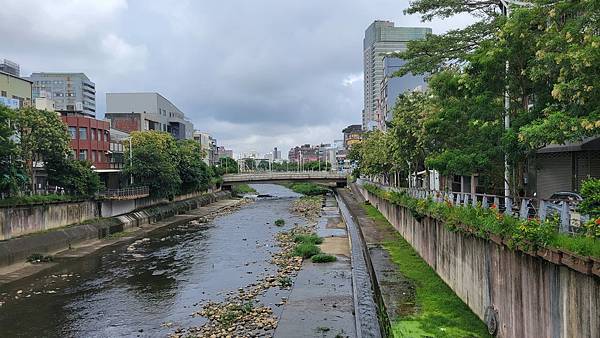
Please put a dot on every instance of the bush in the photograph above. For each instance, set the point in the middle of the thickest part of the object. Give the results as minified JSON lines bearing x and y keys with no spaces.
{"x":308,"y":238}
{"x":279,"y":222}
{"x":35,"y":199}
{"x":525,"y":234}
{"x":306,"y":250}
{"x":243,"y":189}
{"x":323,"y":258}
{"x":590,"y":191}
{"x":308,"y":189}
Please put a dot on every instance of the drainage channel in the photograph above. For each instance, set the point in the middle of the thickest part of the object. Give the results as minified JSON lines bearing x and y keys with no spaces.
{"x":367,"y":313}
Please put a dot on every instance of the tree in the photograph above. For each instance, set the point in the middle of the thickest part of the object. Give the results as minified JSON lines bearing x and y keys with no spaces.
{"x":193,"y":172}
{"x":12,"y":175}
{"x":76,"y":177}
{"x":154,"y":162}
{"x":40,"y":135}
{"x":228,"y":165}
{"x":437,"y":52}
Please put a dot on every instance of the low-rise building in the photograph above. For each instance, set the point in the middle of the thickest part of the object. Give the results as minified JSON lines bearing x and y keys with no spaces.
{"x":90,"y":139}
{"x":204,"y":140}
{"x":304,"y":154}
{"x":15,"y":92}
{"x":147,"y":111}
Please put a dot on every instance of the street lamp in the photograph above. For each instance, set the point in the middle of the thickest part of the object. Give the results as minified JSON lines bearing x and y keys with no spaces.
{"x":506,"y":12}
{"x":130,"y":161}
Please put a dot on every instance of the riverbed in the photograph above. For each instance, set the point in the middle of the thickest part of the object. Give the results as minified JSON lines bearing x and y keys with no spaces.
{"x":151,"y":287}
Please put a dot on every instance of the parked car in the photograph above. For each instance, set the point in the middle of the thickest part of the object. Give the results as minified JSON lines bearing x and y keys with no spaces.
{"x":572,"y":198}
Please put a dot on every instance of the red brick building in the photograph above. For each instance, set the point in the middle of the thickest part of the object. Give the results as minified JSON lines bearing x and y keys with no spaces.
{"x":90,"y":139}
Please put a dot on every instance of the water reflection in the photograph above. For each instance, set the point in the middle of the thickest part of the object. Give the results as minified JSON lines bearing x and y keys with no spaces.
{"x":123,"y":292}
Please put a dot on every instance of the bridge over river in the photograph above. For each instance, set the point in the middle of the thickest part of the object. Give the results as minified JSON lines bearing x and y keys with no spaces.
{"x":337,"y":178}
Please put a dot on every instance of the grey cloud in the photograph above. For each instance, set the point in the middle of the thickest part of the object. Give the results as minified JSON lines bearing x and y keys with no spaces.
{"x":255,"y":74}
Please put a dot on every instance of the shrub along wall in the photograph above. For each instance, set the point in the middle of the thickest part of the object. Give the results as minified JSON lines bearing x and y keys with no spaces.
{"x":520,"y":294}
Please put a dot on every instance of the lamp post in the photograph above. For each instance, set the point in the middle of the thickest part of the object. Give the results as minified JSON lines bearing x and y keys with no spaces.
{"x":130,"y":161}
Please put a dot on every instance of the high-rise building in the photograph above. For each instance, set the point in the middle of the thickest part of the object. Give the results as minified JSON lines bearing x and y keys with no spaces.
{"x":147,"y":111}
{"x":382,"y":37}
{"x":392,"y":86}
{"x":71,"y":92}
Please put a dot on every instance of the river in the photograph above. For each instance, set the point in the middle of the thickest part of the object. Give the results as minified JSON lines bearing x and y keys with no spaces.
{"x":152,"y":288}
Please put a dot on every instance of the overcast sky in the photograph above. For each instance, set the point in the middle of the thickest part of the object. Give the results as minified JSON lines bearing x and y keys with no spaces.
{"x":254,"y":74}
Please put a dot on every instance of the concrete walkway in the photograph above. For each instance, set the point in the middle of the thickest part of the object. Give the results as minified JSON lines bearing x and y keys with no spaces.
{"x":321,"y":303}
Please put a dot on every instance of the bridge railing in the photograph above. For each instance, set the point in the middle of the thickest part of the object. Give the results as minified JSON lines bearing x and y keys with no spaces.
{"x":517,"y":206}
{"x":283,"y":175}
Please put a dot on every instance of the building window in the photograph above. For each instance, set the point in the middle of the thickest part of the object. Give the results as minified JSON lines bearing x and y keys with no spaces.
{"x":92,"y":134}
{"x":82,"y":133}
{"x":83,"y":155}
{"x":3,"y":93}
{"x":93,"y":156}
{"x":73,"y":132}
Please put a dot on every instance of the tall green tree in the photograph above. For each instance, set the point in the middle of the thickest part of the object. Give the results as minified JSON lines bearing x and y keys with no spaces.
{"x":12,"y":174}
{"x":40,"y":135}
{"x":76,"y":177}
{"x":154,"y":162}
{"x":228,"y":165}
{"x":194,"y":173}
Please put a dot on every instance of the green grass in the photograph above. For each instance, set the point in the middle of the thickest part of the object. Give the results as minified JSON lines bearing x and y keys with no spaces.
{"x":242,"y":189}
{"x":306,"y":250}
{"x":323,"y":258}
{"x":308,"y":238}
{"x":308,"y":189}
{"x":37,"y":199}
{"x":440,"y":313}
{"x":586,"y":246}
{"x":279,"y":222}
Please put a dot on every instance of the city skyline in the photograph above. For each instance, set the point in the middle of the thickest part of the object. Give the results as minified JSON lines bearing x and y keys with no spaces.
{"x":248,"y":98}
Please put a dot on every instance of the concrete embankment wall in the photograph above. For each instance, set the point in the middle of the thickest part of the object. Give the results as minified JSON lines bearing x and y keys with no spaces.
{"x":18,"y":249}
{"x":19,"y":221}
{"x":23,"y":220}
{"x":528,"y":296}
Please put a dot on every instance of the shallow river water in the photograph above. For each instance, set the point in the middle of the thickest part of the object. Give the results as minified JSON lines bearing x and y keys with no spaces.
{"x":154,"y":287}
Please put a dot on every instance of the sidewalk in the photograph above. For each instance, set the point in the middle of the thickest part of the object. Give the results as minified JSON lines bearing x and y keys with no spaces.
{"x":321,"y":303}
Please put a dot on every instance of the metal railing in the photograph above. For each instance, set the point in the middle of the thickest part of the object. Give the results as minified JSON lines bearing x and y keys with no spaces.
{"x":521,"y":207}
{"x":126,"y":193}
{"x":284,"y":175}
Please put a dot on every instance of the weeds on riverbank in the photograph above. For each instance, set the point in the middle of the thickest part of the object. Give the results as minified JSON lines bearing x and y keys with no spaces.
{"x":279,"y":222}
{"x":323,"y":258}
{"x":308,"y":238}
{"x":308,"y":189}
{"x":440,"y":313}
{"x":306,"y":250}
{"x":242,"y":189}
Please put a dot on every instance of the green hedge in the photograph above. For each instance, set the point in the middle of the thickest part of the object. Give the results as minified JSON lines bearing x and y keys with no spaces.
{"x":524,"y":234}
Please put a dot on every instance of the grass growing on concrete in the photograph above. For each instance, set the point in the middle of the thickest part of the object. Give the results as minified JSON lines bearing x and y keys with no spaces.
{"x":279,"y":222}
{"x":242,"y":189}
{"x":323,"y":258}
{"x":306,"y":250}
{"x":440,"y":312}
{"x":308,"y":238}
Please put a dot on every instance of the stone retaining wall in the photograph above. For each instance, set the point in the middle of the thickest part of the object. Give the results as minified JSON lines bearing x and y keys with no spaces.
{"x":18,"y":249}
{"x":526,"y":296}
